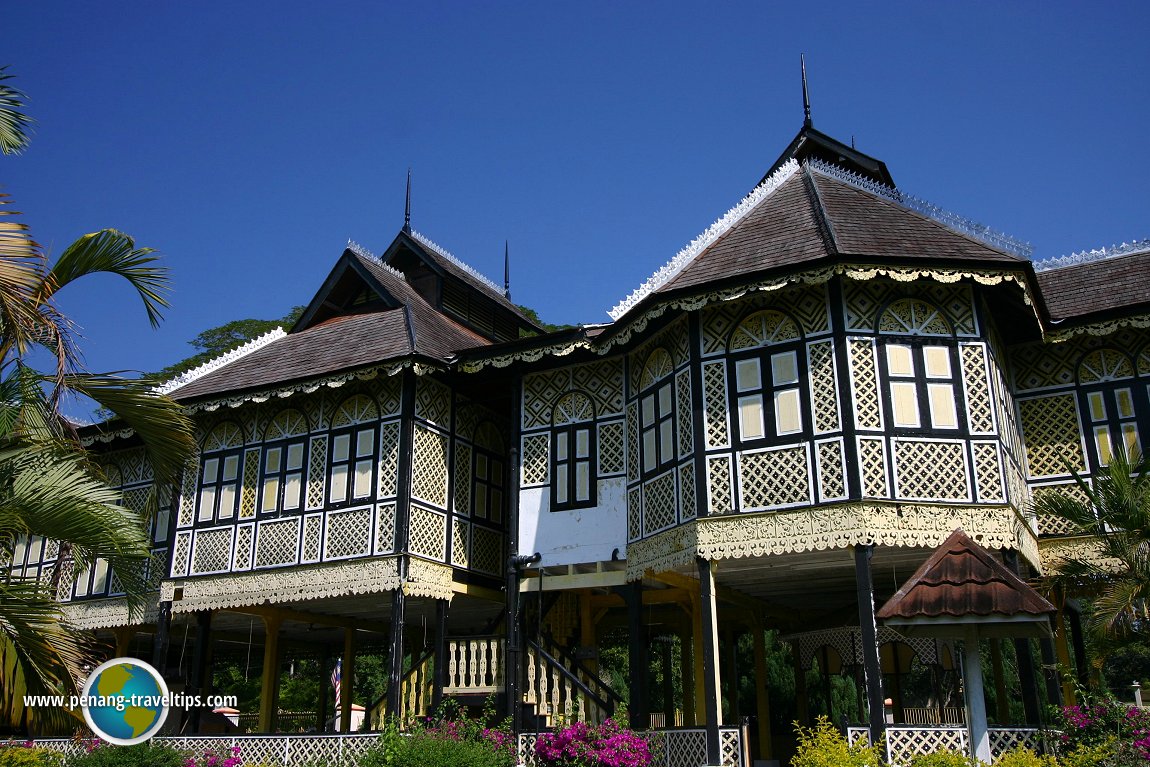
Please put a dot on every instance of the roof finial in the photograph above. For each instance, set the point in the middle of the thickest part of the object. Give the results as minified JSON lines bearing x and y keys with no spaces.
{"x":806,"y":96}
{"x":407,"y":205}
{"x":506,"y":270}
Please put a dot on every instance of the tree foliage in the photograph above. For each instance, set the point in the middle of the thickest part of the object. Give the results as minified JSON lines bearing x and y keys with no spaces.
{"x":221,"y":339}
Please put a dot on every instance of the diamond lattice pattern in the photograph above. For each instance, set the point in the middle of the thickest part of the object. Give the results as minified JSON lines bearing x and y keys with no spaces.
{"x":931,"y":470}
{"x":774,"y":478}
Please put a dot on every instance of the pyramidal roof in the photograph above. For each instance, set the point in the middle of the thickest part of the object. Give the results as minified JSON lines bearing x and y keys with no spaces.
{"x":961,"y":582}
{"x":804,"y":214}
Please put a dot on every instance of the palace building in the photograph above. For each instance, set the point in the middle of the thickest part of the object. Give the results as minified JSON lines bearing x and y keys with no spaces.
{"x":776,"y":430}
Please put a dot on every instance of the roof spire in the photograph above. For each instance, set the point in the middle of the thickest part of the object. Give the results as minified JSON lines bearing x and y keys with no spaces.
{"x":806,"y":95}
{"x":407,"y":205}
{"x":506,"y":270}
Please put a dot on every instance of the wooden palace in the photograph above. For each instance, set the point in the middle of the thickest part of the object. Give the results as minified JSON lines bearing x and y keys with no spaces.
{"x":774,"y":431}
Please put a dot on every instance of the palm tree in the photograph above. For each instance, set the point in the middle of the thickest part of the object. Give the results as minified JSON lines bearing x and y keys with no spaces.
{"x":1114,"y":513}
{"x":48,"y":485}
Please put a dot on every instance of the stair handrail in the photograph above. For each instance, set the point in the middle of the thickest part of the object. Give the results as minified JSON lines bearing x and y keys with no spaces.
{"x":577,"y":665}
{"x":606,"y":705}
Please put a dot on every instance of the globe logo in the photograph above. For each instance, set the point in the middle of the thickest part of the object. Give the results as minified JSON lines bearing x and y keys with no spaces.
{"x":125,"y":701}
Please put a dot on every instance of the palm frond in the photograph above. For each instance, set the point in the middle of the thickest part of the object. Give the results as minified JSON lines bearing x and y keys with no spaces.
{"x":21,"y":277}
{"x":112,"y":252}
{"x":14,"y":124}
{"x":164,"y":427}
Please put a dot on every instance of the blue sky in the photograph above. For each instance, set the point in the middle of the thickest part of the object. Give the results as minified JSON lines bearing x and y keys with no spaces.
{"x":247,"y":141}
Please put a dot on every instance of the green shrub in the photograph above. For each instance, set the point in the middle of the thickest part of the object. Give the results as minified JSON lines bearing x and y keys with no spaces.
{"x":1024,"y":757}
{"x":943,"y":759}
{"x":140,"y":755}
{"x":823,"y":746}
{"x":19,"y":755}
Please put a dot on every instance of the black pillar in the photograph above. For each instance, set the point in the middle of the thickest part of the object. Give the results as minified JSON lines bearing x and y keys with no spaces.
{"x":324,"y":689}
{"x":1025,"y":659}
{"x":395,"y":675}
{"x":1050,"y":671}
{"x":1081,"y":665}
{"x":710,"y":625}
{"x":868,"y":639}
{"x":440,"y":678}
{"x":639,"y":710}
{"x":160,"y":640}
{"x":199,"y":672}
{"x":668,"y":684}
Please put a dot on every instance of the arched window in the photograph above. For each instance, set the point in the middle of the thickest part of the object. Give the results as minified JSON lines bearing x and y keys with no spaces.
{"x":573,"y":481}
{"x":220,"y":474}
{"x":352,"y":453}
{"x":768,"y":368}
{"x":1111,"y":403}
{"x":282,"y":471}
{"x":919,"y":363}
{"x":657,"y":413}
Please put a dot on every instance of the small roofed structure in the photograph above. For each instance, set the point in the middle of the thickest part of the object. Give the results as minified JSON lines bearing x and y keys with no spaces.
{"x":961,"y":590}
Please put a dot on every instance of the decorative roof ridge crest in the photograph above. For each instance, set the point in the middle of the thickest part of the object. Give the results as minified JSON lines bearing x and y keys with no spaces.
{"x":471,"y":270}
{"x":226,"y":358}
{"x":1096,"y":254}
{"x":704,"y":240}
{"x":951,"y":220}
{"x":360,"y":251}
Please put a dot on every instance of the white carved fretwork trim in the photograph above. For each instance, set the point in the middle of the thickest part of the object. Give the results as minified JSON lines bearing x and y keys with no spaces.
{"x":443,"y":253}
{"x":428,"y":579}
{"x":704,"y":240}
{"x":107,"y":614}
{"x":838,"y":526}
{"x":297,"y":584}
{"x":183,"y":379}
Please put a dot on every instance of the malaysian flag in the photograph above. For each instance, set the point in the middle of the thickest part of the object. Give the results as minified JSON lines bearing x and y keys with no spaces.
{"x":336,"y":676}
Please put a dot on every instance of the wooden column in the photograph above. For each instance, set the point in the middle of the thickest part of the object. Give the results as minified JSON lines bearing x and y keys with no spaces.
{"x":868,"y":639}
{"x":124,"y":636}
{"x":1062,"y":649}
{"x":710,"y":640}
{"x":1050,"y":671}
{"x":270,"y":680}
{"x":826,"y":679}
{"x":160,"y":640}
{"x":637,"y":657}
{"x":730,"y":673}
{"x":762,"y":695}
{"x":395,"y":675}
{"x":324,"y":685}
{"x":347,"y":681}
{"x":697,"y":657}
{"x":802,"y":705}
{"x":1001,"y":702}
{"x":1082,"y":665}
{"x":1025,"y":658}
{"x":199,"y":672}
{"x":668,"y":682}
{"x":439,"y":678}
{"x":687,"y":662}
{"x":587,"y":632}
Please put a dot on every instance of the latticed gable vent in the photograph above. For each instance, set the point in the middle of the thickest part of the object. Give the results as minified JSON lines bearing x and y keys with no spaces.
{"x":476,"y":312}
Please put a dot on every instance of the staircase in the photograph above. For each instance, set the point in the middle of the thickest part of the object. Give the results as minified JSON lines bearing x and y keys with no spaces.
{"x":559,"y":687}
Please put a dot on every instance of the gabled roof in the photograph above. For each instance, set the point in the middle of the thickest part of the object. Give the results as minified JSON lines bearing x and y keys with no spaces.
{"x":397,"y":325}
{"x":1099,"y":288}
{"x":961,"y":582}
{"x":443,"y":262}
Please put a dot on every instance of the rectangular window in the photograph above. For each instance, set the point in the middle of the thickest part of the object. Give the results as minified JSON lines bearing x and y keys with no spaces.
{"x":747,"y":375}
{"x":785,"y":368}
{"x":1130,"y":441}
{"x":943,"y":414}
{"x":937,"y":361}
{"x":1102,"y":443}
{"x":788,"y":412}
{"x":353,"y":466}
{"x":574,"y":477}
{"x":904,"y":396}
{"x":1097,"y":406}
{"x":1125,"y":401}
{"x":751,"y":417}
{"x":899,"y":361}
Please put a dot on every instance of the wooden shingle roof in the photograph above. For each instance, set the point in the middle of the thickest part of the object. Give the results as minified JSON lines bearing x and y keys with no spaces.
{"x":400,"y":325}
{"x":1098,"y":288}
{"x":817,"y":215}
